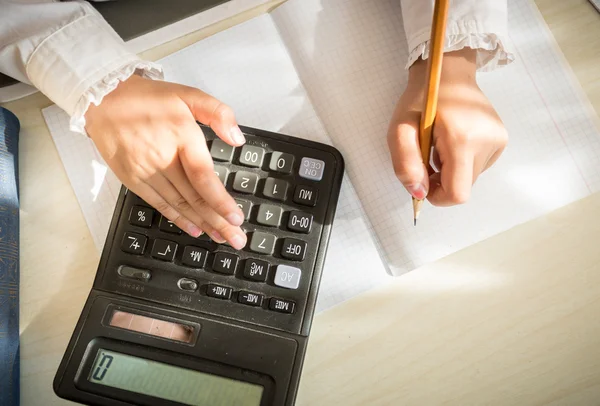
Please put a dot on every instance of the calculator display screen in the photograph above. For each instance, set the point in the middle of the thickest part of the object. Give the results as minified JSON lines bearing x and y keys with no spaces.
{"x":169,"y":382}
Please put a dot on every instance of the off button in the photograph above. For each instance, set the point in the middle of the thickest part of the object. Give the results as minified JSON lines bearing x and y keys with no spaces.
{"x":311,"y":168}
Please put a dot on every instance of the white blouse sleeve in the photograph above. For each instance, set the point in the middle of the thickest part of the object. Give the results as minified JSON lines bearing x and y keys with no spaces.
{"x":477,"y":24}
{"x":67,"y":51}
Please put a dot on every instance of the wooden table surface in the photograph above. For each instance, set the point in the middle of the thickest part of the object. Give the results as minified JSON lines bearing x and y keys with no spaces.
{"x":513,"y":320}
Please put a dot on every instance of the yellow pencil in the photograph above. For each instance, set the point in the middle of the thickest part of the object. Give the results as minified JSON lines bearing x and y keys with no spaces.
{"x":434,"y":72}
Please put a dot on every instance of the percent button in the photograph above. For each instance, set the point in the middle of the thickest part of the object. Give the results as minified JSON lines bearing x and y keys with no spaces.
{"x":141,"y":216}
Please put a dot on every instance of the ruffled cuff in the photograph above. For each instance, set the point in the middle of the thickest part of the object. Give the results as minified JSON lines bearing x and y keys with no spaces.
{"x":492,"y":51}
{"x":98,"y":91}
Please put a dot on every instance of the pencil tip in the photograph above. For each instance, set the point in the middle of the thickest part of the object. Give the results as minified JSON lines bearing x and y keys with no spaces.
{"x":415,"y":222}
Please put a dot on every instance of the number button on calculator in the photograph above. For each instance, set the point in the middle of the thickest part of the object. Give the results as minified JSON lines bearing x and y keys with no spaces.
{"x":269,"y":215}
{"x":281,"y":162}
{"x":222,"y":173}
{"x":275,"y":189}
{"x":245,"y":182}
{"x":245,"y":206}
{"x":300,"y":222}
{"x":262,"y":243}
{"x":252,"y":156}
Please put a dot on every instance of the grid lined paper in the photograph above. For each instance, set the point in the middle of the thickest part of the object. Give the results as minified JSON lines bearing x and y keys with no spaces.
{"x":350,"y":55}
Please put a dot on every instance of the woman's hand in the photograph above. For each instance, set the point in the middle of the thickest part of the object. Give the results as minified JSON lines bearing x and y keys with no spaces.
{"x":468,"y":135}
{"x":146,"y":131}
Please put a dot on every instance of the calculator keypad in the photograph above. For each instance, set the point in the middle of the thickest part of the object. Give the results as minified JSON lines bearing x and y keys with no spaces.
{"x":225,"y":262}
{"x":287,"y":276}
{"x":269,"y":215}
{"x":141,"y":216}
{"x":283,"y":191}
{"x":168,"y":226}
{"x":245,"y":182}
{"x":281,"y":162}
{"x":256,"y":270}
{"x":164,"y":250}
{"x":252,"y":156}
{"x":194,"y":257}
{"x":134,"y":243}
{"x":262,"y":243}
{"x":305,"y":195}
{"x":221,"y":151}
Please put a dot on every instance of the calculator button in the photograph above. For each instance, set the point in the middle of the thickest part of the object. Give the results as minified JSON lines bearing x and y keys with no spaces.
{"x":218,"y":291}
{"x":221,"y":151}
{"x":252,"y":156}
{"x":189,"y":285}
{"x":311,"y":168}
{"x":245,"y":182}
{"x":275,"y":189}
{"x":250,"y":299}
{"x":256,"y":270}
{"x":287,"y":277}
{"x":245,"y":207}
{"x":164,"y":250}
{"x":281,"y":305}
{"x":168,"y":226}
{"x":194,"y":256}
{"x":141,"y":216}
{"x":269,"y":215}
{"x":222,"y":173}
{"x":134,"y":273}
{"x":300,"y":222}
{"x":134,"y":243}
{"x":293,"y":249}
{"x":281,"y":162}
{"x":305,"y":195}
{"x":262,"y":243}
{"x":225,"y":262}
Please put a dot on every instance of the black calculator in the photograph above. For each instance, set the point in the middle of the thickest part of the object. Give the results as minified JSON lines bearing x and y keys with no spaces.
{"x":177,"y":320}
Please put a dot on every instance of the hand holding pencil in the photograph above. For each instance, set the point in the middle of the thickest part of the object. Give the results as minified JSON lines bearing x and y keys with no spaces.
{"x":444,"y":118}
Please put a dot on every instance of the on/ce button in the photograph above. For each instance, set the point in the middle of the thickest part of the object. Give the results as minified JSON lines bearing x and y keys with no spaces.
{"x":311,"y":168}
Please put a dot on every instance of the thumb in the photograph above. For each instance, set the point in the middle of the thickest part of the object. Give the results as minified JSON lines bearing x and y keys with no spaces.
{"x":403,"y":142}
{"x":215,"y":114}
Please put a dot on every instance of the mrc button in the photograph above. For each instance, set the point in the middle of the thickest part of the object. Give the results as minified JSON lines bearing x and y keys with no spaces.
{"x":311,"y":168}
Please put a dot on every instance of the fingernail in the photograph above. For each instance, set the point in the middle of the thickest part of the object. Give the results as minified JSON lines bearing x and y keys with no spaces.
{"x":235,"y":219}
{"x":217,"y":237}
{"x":194,"y":231}
{"x":238,"y":242}
{"x":236,"y":135}
{"x":418,"y":192}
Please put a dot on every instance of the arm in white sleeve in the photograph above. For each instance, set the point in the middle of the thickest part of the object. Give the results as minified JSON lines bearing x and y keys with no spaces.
{"x":477,"y":24}
{"x":67,"y":51}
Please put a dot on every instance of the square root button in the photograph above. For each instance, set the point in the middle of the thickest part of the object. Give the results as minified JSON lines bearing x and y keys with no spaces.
{"x":287,"y":277}
{"x":311,"y":168}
